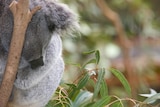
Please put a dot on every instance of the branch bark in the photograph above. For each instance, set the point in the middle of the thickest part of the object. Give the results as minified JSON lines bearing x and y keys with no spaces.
{"x":22,"y":16}
{"x":124,"y":43}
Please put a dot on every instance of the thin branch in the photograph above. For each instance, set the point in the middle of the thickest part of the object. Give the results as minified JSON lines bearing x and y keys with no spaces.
{"x":123,"y":40}
{"x":22,"y":16}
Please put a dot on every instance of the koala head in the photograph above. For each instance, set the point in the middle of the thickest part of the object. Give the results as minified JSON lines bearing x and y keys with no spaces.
{"x":53,"y":17}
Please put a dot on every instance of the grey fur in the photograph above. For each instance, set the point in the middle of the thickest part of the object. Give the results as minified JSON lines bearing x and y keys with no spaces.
{"x":34,"y":87}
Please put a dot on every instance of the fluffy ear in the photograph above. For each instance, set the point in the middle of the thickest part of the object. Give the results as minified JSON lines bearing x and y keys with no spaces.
{"x":60,"y":18}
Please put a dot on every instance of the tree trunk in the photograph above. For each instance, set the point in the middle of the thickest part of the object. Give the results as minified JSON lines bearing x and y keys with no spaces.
{"x":22,"y":16}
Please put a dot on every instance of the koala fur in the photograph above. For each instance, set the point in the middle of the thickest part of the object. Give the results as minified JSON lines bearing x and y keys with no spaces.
{"x":41,"y":65}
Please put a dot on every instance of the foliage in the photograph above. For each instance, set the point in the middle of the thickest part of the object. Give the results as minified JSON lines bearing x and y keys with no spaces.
{"x":139,"y":18}
{"x":77,"y":94}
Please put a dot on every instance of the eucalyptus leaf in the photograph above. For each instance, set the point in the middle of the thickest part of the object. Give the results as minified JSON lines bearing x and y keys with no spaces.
{"x":152,"y":92}
{"x":97,"y":55}
{"x":152,"y":98}
{"x":71,"y":86}
{"x":99,"y":82}
{"x":73,"y":94}
{"x":102,"y":102}
{"x":89,"y":62}
{"x":82,"y":99}
{"x":89,"y":104}
{"x":122,"y":79}
{"x":75,"y":90}
{"x":117,"y":104}
{"x":104,"y":89}
{"x":72,"y":91}
{"x":77,"y":65}
{"x":89,"y":52}
{"x":83,"y":81}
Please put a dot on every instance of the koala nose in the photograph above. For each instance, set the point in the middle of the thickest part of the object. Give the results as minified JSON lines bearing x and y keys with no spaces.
{"x":37,"y":63}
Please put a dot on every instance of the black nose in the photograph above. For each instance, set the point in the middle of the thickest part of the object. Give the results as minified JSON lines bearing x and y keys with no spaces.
{"x":37,"y":63}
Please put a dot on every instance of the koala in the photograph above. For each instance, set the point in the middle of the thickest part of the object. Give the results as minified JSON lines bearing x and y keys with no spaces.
{"x":41,"y":64}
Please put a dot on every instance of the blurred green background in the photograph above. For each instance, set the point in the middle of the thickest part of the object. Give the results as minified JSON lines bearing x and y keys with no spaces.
{"x":141,"y":22}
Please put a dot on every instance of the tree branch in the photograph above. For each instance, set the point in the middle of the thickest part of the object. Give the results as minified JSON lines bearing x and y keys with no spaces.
{"x":22,"y":16}
{"x":124,"y":43}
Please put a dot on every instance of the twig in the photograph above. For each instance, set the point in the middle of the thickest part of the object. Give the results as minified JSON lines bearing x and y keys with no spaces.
{"x":22,"y":16}
{"x":124,"y":42}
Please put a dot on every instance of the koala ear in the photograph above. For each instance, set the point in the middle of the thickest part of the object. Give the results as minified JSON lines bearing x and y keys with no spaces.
{"x":60,"y":18}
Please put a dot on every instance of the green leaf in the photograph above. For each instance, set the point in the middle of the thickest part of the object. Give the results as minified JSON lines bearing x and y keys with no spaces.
{"x":77,"y":65}
{"x":73,"y":94}
{"x":97,"y":55}
{"x":83,"y":81}
{"x":89,"y":52}
{"x":72,"y":90}
{"x":104,"y":89}
{"x":102,"y":102}
{"x":75,"y":90}
{"x":152,"y":98}
{"x":89,"y":104}
{"x":82,"y":99}
{"x":99,"y":81}
{"x":117,"y":104}
{"x":122,"y":79}
{"x":71,"y":86}
{"x":90,"y":61}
